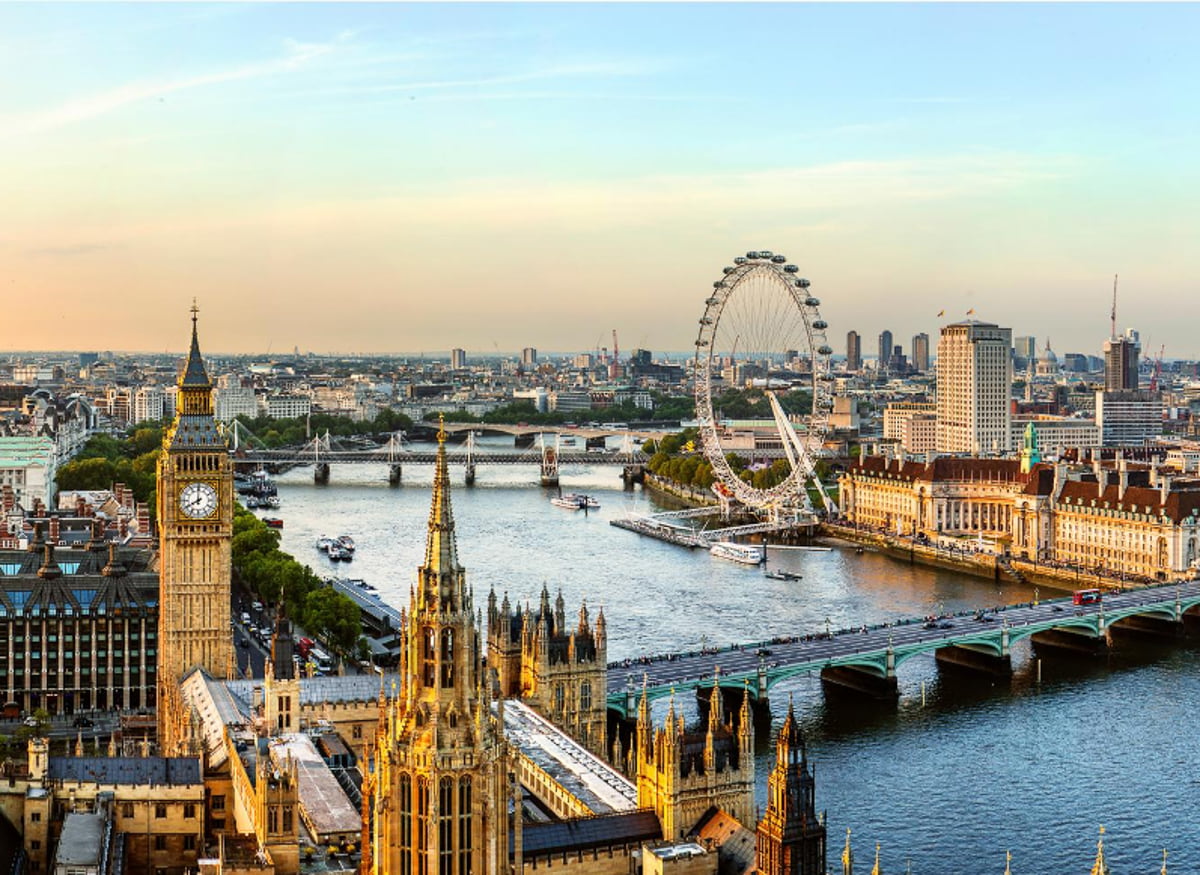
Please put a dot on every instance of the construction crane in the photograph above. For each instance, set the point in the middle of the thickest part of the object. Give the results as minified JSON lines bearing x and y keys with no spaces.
{"x":1157,"y":368}
{"x":1113,"y":316}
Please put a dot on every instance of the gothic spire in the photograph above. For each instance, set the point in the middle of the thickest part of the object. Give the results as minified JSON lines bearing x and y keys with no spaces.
{"x":847,"y":856}
{"x":441,"y":553}
{"x":194,"y":374}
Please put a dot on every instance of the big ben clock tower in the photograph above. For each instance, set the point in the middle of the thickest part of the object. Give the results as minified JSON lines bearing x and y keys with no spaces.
{"x":195,"y":524}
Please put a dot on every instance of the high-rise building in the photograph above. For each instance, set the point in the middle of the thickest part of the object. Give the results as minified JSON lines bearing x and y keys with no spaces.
{"x":1121,"y":361}
{"x":195,"y":524}
{"x":440,"y":791}
{"x":920,"y":352}
{"x":853,"y":352}
{"x":529,"y":356}
{"x":974,"y":376}
{"x":458,"y":358}
{"x":885,"y":349}
{"x":1024,"y":350}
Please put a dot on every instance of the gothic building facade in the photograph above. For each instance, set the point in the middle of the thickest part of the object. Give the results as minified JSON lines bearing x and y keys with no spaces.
{"x":791,"y":837}
{"x":560,"y":670}
{"x":440,"y":784}
{"x":681,"y":774}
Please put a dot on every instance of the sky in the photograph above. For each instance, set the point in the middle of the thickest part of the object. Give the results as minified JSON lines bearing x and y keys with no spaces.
{"x":389,"y":177}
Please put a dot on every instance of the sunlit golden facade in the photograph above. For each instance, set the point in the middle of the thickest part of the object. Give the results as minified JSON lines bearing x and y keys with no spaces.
{"x":195,"y":522}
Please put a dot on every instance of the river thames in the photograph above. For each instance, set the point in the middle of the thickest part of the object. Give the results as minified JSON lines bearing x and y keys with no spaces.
{"x":949,"y":784}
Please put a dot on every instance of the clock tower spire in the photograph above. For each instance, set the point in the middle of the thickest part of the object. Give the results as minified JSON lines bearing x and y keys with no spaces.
{"x":195,"y":525}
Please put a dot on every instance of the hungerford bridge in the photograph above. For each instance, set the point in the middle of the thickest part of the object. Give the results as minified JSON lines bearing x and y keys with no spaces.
{"x":325,"y":450}
{"x":866,"y":661}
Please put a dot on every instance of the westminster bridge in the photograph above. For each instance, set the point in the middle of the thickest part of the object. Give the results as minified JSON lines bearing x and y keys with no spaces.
{"x":865,"y":659}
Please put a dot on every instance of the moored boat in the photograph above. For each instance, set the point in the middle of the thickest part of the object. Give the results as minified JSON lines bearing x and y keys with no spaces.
{"x":747,"y":554}
{"x":346,"y":543}
{"x":273,"y":522}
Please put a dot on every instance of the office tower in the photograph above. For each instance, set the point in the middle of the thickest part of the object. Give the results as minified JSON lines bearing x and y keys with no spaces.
{"x":529,"y":356}
{"x":1025,"y":351}
{"x":920,"y":352}
{"x":458,"y":359}
{"x":1121,"y":361}
{"x":853,"y":352}
{"x":974,"y":375}
{"x":885,"y":349}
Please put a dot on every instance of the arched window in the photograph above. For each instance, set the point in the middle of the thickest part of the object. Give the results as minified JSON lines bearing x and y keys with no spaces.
{"x":464,"y":826}
{"x":446,"y":826}
{"x":429,"y":658}
{"x":447,"y":657}
{"x":585,"y":696}
{"x":559,"y":698}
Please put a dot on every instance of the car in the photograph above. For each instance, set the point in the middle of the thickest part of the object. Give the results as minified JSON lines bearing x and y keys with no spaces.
{"x":30,"y":721}
{"x":1057,"y":609}
{"x":84,"y":722}
{"x":763,"y":651}
{"x":945,"y":625}
{"x":243,"y":642}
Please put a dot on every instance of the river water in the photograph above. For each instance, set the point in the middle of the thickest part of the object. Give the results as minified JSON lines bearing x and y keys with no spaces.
{"x":959,"y":771}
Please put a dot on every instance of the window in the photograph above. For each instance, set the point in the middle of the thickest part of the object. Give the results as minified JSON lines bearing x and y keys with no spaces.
{"x":160,"y":811}
{"x":160,"y":843}
{"x":218,"y":803}
{"x":127,"y":809}
{"x":189,"y":810}
{"x":189,"y":843}
{"x":35,"y":817}
{"x":357,"y":730}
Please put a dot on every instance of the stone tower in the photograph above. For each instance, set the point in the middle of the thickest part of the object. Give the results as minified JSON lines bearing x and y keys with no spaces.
{"x":440,"y":776}
{"x":195,"y":524}
{"x":681,"y":774}
{"x":790,"y":838}
{"x":559,"y":670}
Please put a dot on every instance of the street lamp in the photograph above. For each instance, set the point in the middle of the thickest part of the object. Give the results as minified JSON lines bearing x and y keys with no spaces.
{"x":828,"y":634}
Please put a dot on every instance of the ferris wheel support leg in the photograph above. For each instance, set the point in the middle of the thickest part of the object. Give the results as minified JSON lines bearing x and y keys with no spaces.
{"x":394,"y":474}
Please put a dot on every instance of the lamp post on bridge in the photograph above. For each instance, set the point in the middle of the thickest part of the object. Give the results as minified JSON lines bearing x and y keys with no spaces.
{"x":828,"y":634}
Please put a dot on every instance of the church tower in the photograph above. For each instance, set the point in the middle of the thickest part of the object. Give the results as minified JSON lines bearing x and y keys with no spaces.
{"x":441,"y":768}
{"x":791,"y":838}
{"x":195,"y":525}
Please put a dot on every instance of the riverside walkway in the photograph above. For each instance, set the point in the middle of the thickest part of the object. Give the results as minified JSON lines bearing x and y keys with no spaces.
{"x":866,"y":659}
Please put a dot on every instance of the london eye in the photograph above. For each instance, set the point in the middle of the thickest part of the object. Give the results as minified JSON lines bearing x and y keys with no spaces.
{"x":762,"y":328}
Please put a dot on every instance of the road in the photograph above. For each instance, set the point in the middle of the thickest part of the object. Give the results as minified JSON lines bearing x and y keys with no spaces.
{"x":843,"y":645}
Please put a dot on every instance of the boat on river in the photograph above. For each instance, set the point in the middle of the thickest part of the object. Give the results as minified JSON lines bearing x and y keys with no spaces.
{"x":783,"y":575}
{"x":747,"y":554}
{"x":575,"y":501}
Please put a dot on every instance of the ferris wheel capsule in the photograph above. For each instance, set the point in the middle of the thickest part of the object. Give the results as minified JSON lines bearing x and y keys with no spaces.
{"x":810,"y":301}
{"x":741,"y":259}
{"x":778,"y":259}
{"x":825,"y":349}
{"x":803,"y":283}
{"x":790,"y":268}
{"x":820,"y":324}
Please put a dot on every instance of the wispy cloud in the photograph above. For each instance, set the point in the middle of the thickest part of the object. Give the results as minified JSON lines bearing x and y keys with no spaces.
{"x":297,"y":56}
{"x":582,"y":70}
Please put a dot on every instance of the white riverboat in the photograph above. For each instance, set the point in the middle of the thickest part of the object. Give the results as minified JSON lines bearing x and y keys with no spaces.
{"x":747,"y":554}
{"x":575,"y":501}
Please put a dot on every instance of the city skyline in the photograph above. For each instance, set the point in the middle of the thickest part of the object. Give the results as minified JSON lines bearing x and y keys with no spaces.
{"x":560,"y":171}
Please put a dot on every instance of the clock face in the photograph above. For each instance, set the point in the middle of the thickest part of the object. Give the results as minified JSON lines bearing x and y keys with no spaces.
{"x":198,"y":500}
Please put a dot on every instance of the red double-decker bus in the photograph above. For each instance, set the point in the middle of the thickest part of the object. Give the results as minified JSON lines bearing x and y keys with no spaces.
{"x":1087,"y":596}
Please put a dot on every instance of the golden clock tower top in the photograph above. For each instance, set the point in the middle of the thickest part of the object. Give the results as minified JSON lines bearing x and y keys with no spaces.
{"x":194,"y":427}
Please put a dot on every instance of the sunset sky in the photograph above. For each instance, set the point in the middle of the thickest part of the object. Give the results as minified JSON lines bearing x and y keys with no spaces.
{"x":405,"y":178}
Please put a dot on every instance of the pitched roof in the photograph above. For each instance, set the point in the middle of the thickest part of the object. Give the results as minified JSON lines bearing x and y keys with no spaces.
{"x":585,"y":833}
{"x":169,"y":771}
